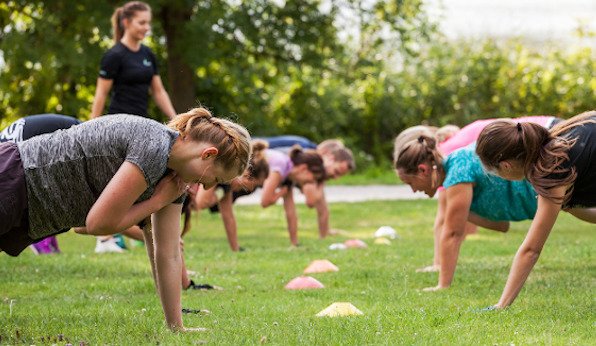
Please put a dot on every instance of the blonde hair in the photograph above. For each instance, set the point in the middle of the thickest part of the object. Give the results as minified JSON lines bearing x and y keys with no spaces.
{"x":446,"y":132}
{"x":338,"y":151}
{"x":328,"y":146}
{"x":231,"y":140}
{"x":422,"y":150}
{"x":407,"y":135}
{"x":126,"y":11}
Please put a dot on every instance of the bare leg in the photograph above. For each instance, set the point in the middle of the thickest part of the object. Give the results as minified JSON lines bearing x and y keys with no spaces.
{"x":586,"y":214}
{"x":148,"y":236}
{"x":471,"y":228}
{"x":185,"y":279}
{"x":499,"y":226}
{"x":134,"y":232}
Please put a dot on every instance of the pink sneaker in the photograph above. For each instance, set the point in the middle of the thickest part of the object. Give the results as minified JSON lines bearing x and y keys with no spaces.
{"x":46,"y":246}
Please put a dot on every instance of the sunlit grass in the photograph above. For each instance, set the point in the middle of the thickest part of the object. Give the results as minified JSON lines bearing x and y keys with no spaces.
{"x":79,"y":296}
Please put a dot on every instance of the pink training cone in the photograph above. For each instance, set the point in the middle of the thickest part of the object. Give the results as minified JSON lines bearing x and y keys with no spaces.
{"x":355,"y":243}
{"x":304,"y":283}
{"x":320,"y":266}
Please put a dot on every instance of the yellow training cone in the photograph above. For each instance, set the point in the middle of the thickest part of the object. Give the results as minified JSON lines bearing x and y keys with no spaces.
{"x":382,"y":241}
{"x":320,"y":266}
{"x":340,"y":309}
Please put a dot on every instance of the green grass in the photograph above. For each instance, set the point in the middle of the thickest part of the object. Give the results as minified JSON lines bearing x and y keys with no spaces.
{"x":79,"y":296}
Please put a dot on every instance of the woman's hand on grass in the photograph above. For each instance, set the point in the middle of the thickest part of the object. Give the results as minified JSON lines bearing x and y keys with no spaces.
{"x":429,"y":269}
{"x":194,"y":330}
{"x":433,"y":289}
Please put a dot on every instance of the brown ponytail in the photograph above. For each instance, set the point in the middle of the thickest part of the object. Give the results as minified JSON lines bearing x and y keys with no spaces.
{"x":231,"y":140}
{"x":313,"y":161}
{"x":126,"y":11}
{"x":540,"y":152}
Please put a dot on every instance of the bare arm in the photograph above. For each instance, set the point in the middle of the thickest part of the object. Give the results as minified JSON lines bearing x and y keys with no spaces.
{"x":315,"y":197}
{"x":499,"y":226}
{"x":529,"y":251}
{"x":168,"y":263}
{"x":313,"y":193}
{"x":291,"y":217}
{"x":161,"y":97}
{"x":271,"y":193}
{"x":115,"y":210}
{"x":458,"y":201}
{"x":227,"y":215}
{"x":205,"y":198}
{"x":101,"y":94}
{"x":438,"y":226}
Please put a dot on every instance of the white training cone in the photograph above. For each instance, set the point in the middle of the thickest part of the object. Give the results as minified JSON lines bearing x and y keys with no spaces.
{"x":340,"y":309}
{"x":386,"y":231}
{"x":355,"y":243}
{"x":382,"y":241}
{"x":337,"y":246}
{"x":320,"y":266}
{"x":304,"y":283}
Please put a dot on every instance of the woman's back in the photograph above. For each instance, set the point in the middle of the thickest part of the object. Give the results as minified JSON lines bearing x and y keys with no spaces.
{"x":494,"y":198}
{"x":582,"y":156}
{"x":67,"y":170}
{"x":279,"y":162}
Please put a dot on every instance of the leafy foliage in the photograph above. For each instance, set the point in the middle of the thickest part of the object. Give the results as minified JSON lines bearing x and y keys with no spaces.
{"x":357,"y":70}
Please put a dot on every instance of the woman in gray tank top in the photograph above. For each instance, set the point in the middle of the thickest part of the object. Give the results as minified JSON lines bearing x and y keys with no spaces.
{"x":111,"y":173}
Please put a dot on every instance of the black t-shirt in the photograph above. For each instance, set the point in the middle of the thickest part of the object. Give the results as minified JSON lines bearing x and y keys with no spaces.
{"x":132,"y":73}
{"x":35,"y":125}
{"x":582,"y":156}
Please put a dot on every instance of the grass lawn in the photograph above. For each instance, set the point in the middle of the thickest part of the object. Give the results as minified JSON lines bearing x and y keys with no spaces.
{"x":81,"y":297}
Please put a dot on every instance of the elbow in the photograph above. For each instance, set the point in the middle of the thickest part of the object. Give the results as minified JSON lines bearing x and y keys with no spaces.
{"x":531,"y":253}
{"x":503,"y":227}
{"x":99,"y":227}
{"x":310,"y":203}
{"x":265,"y":203}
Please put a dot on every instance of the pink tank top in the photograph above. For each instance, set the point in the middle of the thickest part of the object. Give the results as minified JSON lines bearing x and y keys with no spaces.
{"x":469,"y":133}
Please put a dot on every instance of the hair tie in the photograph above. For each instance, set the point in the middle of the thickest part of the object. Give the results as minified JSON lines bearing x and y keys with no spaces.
{"x":519,"y":127}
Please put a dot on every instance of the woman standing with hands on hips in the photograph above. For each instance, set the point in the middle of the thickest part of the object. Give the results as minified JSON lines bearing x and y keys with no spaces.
{"x":129,"y":68}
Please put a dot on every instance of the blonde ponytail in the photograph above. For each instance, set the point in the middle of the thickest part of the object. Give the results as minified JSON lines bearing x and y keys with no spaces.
{"x":231,"y":140}
{"x":422,"y":150}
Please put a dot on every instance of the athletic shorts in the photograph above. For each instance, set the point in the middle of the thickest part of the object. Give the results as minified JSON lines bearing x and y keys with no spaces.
{"x":14,"y":224}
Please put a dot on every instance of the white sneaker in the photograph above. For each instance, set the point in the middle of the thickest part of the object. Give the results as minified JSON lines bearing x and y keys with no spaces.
{"x":107,"y":245}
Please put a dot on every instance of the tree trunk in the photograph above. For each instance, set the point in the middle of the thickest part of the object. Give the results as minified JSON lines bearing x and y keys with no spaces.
{"x":174,"y":17}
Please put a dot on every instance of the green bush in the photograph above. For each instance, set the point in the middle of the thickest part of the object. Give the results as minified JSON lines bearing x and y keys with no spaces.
{"x":459,"y":82}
